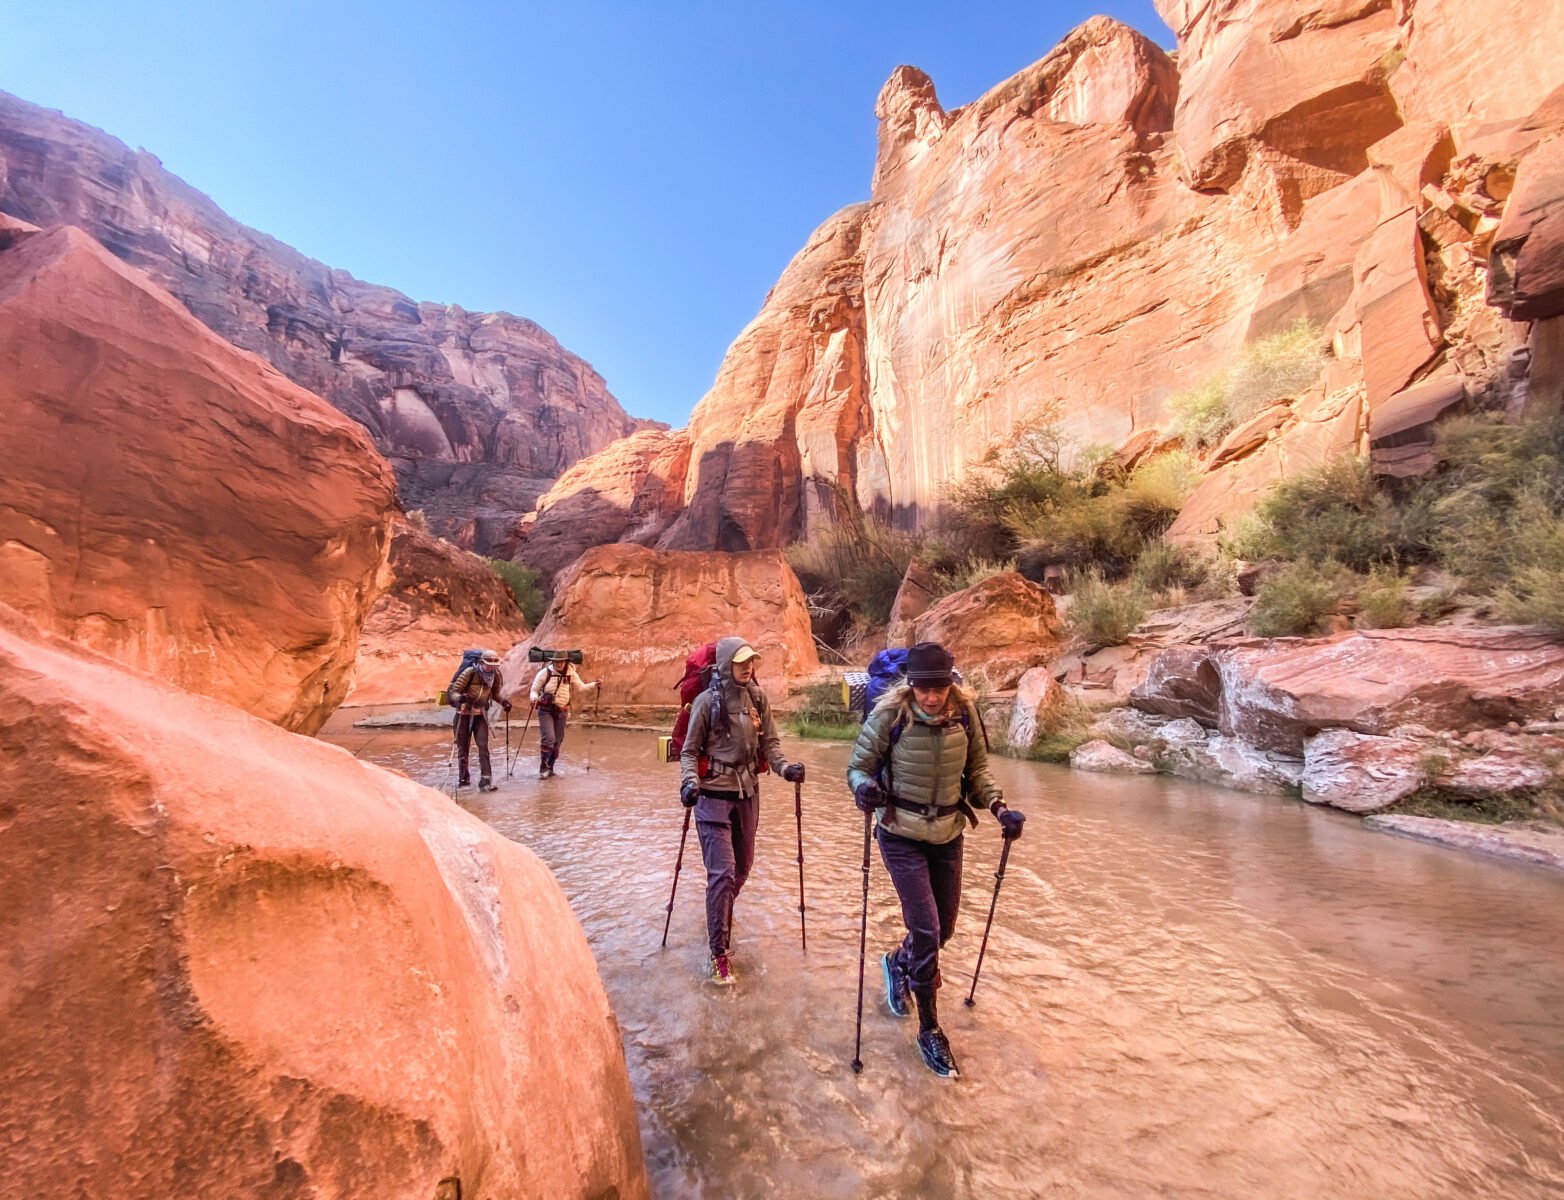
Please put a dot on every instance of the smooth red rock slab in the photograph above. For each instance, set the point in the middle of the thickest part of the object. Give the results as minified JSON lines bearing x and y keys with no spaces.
{"x":240,"y":962}
{"x":1402,"y":429}
{"x":175,"y":502}
{"x":997,"y":629}
{"x":1108,"y":758}
{"x":439,"y":601}
{"x":1275,"y":694}
{"x":630,"y":491}
{"x":637,"y":613}
{"x":1399,"y":328}
{"x":1518,"y":843}
{"x":914,"y":597}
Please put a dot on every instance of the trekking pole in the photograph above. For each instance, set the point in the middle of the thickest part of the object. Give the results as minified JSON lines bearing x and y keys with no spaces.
{"x":508,"y":759}
{"x":798,"y":812}
{"x":999,"y":878}
{"x":677,"y":866}
{"x":521,"y":741}
{"x":863,"y":942}
{"x":597,"y":708}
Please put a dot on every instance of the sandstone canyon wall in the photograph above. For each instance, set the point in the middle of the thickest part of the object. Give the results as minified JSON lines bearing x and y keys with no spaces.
{"x":242,"y":963}
{"x":437,"y":601}
{"x":170,"y":500}
{"x":1107,"y":229}
{"x":479,"y":411}
{"x":637,"y":613}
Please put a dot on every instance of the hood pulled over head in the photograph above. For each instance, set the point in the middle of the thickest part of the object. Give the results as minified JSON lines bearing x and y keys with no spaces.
{"x":728,"y":649}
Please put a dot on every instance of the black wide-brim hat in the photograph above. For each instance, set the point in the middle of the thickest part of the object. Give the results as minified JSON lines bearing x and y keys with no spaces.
{"x":929,"y":665}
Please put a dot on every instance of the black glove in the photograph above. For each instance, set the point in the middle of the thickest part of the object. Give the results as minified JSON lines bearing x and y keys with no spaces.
{"x":869,"y":796}
{"x":1010,"y":822}
{"x":793,"y":772}
{"x":689,"y":793}
{"x":505,"y":704}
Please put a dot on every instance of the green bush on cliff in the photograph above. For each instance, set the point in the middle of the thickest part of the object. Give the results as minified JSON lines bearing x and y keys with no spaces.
{"x":1270,"y":369}
{"x":1293,"y":601}
{"x":1102,"y":613}
{"x":1534,"y":594}
{"x":1383,"y":601}
{"x":525,"y":584}
{"x":819,"y":713}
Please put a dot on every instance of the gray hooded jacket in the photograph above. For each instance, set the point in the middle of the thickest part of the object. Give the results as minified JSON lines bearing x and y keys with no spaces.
{"x":733,"y":753}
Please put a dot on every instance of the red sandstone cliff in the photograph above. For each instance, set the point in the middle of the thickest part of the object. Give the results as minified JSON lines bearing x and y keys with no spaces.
{"x":1106,"y":229}
{"x":479,"y":411}
{"x":172,"y":501}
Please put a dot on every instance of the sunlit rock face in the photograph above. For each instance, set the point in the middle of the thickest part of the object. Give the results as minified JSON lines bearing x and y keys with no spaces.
{"x":1105,"y":230}
{"x":636,"y":613}
{"x":242,"y":963}
{"x":173,"y":501}
{"x":437,"y":386}
{"x":438,"y":601}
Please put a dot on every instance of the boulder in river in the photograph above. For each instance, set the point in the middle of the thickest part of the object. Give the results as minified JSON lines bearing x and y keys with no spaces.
{"x":242,"y":963}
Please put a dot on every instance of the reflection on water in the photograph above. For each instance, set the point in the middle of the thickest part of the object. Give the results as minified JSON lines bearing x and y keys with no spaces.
{"x":1189,"y":992}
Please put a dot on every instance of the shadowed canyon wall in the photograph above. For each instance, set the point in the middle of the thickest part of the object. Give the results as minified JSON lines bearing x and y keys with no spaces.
{"x":480,"y":412}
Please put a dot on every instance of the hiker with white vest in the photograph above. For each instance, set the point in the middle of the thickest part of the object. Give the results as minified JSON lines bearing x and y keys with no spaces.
{"x":921,"y":767}
{"x":552,"y":690}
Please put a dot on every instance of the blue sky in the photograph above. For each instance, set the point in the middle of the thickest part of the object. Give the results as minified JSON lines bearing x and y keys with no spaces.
{"x":632,"y":176}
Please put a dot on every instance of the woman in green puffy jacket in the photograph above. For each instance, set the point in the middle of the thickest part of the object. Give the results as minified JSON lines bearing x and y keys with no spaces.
{"x":921,"y":766}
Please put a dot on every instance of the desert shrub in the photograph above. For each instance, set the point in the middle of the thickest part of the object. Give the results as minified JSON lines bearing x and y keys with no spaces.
{"x":1383,"y":602}
{"x":525,"y":584}
{"x":1337,"y":513}
{"x":1270,"y":369}
{"x":418,"y":519}
{"x":1063,"y":728}
{"x":1294,"y":600}
{"x":1103,"y":613}
{"x":1163,"y":567}
{"x":854,"y":568}
{"x":1534,"y":564}
{"x":819,"y":713}
{"x":968,"y":572}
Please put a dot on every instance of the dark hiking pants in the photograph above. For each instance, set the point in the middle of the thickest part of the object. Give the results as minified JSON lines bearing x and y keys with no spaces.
{"x":928,"y":883}
{"x":469,"y":728}
{"x":727,"y":830}
{"x":551,"y":730}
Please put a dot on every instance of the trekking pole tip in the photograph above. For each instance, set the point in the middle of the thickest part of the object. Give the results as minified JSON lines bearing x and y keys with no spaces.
{"x":857,"y":1067}
{"x":970,"y":1002}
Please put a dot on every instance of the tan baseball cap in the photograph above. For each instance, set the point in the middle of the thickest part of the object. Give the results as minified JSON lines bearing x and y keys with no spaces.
{"x":744,"y":653}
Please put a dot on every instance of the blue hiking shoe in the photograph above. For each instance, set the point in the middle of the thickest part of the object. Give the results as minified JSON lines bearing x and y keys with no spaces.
{"x":898,"y":992}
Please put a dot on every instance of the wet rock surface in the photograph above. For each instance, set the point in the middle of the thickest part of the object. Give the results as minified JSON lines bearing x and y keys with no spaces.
{"x":242,"y":963}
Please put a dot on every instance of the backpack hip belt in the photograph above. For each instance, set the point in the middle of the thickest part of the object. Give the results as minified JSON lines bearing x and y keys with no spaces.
{"x":927,"y":811}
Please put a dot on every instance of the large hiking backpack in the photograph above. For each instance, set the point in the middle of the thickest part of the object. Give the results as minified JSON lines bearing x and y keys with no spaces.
{"x":861,"y":690}
{"x":698,"y":668}
{"x":470,"y":658}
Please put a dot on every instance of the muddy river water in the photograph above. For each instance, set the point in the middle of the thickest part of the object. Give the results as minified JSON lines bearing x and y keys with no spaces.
{"x":1189,"y":992}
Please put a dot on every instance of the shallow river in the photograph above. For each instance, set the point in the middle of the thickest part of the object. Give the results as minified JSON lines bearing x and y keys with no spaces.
{"x":1188,"y":993}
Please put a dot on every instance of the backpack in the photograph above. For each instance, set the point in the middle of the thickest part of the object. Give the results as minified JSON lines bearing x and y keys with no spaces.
{"x":885,"y":668}
{"x":698,"y":669}
{"x":470,"y":658}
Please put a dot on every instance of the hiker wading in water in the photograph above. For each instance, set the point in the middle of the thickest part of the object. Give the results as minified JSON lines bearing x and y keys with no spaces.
{"x":472,"y":692}
{"x":730,"y":735}
{"x":552,"y":688}
{"x":919,"y":765}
